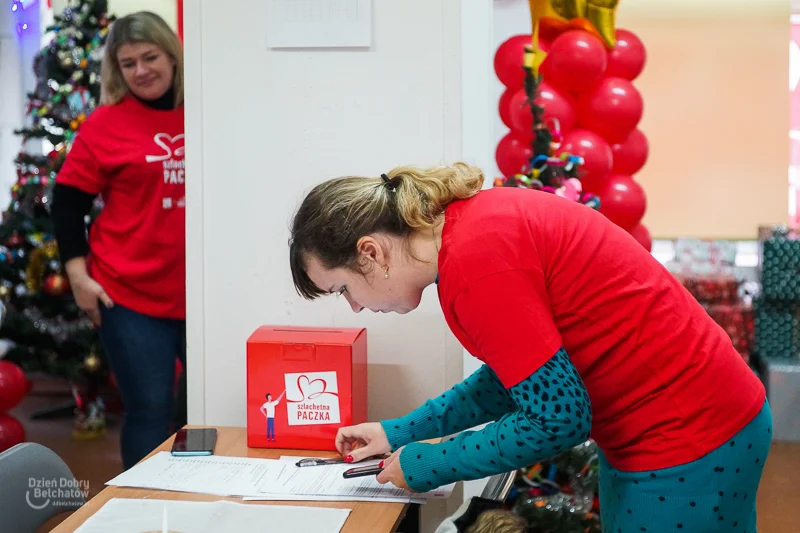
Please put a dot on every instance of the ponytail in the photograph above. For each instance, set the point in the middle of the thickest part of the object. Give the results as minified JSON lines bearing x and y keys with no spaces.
{"x":422,"y":194}
{"x":337,"y":213}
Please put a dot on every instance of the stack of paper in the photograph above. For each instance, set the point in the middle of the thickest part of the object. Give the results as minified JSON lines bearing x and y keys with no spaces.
{"x":263,"y":479}
{"x":122,"y":515}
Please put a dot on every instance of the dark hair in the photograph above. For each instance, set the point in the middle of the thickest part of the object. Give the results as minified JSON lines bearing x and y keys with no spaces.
{"x":338,"y":212}
{"x":267,"y":394}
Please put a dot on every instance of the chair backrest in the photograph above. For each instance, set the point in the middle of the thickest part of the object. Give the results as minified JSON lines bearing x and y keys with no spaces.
{"x":35,"y":485}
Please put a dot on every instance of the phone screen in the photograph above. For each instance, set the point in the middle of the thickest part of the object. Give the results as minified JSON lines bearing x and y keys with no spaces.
{"x":195,"y":441}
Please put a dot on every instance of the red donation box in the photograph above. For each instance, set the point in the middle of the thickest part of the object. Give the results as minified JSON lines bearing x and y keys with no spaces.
{"x":303,"y":384}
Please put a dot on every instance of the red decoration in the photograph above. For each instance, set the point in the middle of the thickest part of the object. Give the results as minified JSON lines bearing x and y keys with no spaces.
{"x":576,"y":60}
{"x":612,"y":108}
{"x":56,"y":285}
{"x":596,"y":156}
{"x":642,"y":236}
{"x":11,"y":432}
{"x":556,"y":106}
{"x":513,"y":154}
{"x":627,"y":58}
{"x":13,"y":385}
{"x":631,"y":154}
{"x":622,"y":201}
{"x":179,"y":6}
{"x":508,"y":61}
{"x":504,"y":107}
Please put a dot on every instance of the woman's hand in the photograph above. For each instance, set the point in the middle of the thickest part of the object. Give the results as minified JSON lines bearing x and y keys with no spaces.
{"x":87,"y":294}
{"x":393,"y":472}
{"x":356,"y":443}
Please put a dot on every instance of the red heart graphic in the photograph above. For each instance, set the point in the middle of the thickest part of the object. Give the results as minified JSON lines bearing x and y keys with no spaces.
{"x":311,"y":389}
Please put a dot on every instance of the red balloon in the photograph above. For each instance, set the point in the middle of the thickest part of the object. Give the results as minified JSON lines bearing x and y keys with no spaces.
{"x":627,"y":58}
{"x":11,"y":432}
{"x":513,"y":154}
{"x":612,"y":108}
{"x":596,"y":156}
{"x":631,"y":154}
{"x":622,"y":201}
{"x":642,"y":236}
{"x":508,"y":60}
{"x":504,"y":107}
{"x":576,"y":60}
{"x":13,"y":385}
{"x":556,"y":106}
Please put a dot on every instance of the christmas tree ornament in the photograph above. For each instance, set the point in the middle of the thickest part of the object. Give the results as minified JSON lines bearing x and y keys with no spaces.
{"x":56,"y":285}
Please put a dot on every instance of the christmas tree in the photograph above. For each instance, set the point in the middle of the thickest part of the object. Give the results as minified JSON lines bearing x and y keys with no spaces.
{"x":560,"y":495}
{"x":46,"y":330}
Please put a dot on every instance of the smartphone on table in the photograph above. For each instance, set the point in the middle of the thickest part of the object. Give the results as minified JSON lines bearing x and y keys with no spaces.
{"x":192,"y":442}
{"x":361,"y":471}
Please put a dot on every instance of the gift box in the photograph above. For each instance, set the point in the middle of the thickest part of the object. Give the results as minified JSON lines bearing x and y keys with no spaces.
{"x":777,"y":328}
{"x":782,"y":380}
{"x":779,"y":257}
{"x":710,"y":289}
{"x":303,"y":384}
{"x":738,"y":322}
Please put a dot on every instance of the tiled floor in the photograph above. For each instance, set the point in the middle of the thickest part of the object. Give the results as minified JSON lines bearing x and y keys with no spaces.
{"x":97,"y":461}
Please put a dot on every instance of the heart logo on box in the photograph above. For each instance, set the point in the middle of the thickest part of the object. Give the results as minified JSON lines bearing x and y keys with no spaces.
{"x":311,"y":388}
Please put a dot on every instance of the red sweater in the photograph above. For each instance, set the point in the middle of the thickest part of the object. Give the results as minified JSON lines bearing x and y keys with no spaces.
{"x":522,"y":273}
{"x":133,"y":155}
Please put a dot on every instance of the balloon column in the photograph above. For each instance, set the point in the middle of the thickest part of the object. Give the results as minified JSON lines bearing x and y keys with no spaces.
{"x":13,"y":387}
{"x":573,"y":112}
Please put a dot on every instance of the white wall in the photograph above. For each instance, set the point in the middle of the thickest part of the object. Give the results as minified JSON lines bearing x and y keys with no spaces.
{"x":16,"y":80}
{"x":264,"y":126}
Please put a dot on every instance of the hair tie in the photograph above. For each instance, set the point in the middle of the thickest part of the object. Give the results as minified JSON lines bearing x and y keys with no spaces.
{"x":388,"y":182}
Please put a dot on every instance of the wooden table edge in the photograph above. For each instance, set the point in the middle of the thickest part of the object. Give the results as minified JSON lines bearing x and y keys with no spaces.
{"x":81,"y":515}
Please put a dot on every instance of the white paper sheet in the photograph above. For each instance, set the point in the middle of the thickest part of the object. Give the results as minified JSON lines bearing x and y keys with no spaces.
{"x":319,"y":23}
{"x":216,"y":474}
{"x":123,"y":515}
{"x":328,"y":481}
{"x":263,"y":479}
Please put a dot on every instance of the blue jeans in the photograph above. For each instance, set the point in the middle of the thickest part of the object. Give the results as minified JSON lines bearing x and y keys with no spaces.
{"x":141,"y":351}
{"x":271,"y":428}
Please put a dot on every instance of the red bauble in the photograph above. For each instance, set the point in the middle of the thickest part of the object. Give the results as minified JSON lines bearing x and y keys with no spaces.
{"x":622,"y":201}
{"x":627,"y":58}
{"x":508,"y":61}
{"x":577,"y":59}
{"x":612,"y":108}
{"x":56,"y":285}
{"x":596,"y":155}
{"x":513,"y":155}
{"x":642,"y":236}
{"x":631,"y":154}
{"x":13,"y":385}
{"x":504,"y":107}
{"x":556,"y":104}
{"x":11,"y":432}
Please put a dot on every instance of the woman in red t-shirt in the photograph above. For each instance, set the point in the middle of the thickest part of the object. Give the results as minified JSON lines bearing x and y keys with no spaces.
{"x":130,"y":276}
{"x":584,"y":334}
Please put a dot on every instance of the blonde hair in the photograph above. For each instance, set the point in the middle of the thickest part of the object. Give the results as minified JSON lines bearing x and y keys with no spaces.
{"x":337,"y":213}
{"x":498,"y":521}
{"x":141,"y":27}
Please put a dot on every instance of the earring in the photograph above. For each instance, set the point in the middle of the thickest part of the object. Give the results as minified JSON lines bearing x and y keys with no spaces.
{"x":385,"y":272}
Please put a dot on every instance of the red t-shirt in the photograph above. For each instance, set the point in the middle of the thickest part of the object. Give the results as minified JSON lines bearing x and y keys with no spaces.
{"x":133,"y":155}
{"x":522,"y":273}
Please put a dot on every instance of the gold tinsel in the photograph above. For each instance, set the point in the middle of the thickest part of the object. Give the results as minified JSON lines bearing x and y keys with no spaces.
{"x":35,"y":268}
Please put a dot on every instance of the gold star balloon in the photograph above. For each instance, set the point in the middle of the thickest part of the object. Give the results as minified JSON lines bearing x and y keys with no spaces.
{"x":553,"y":17}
